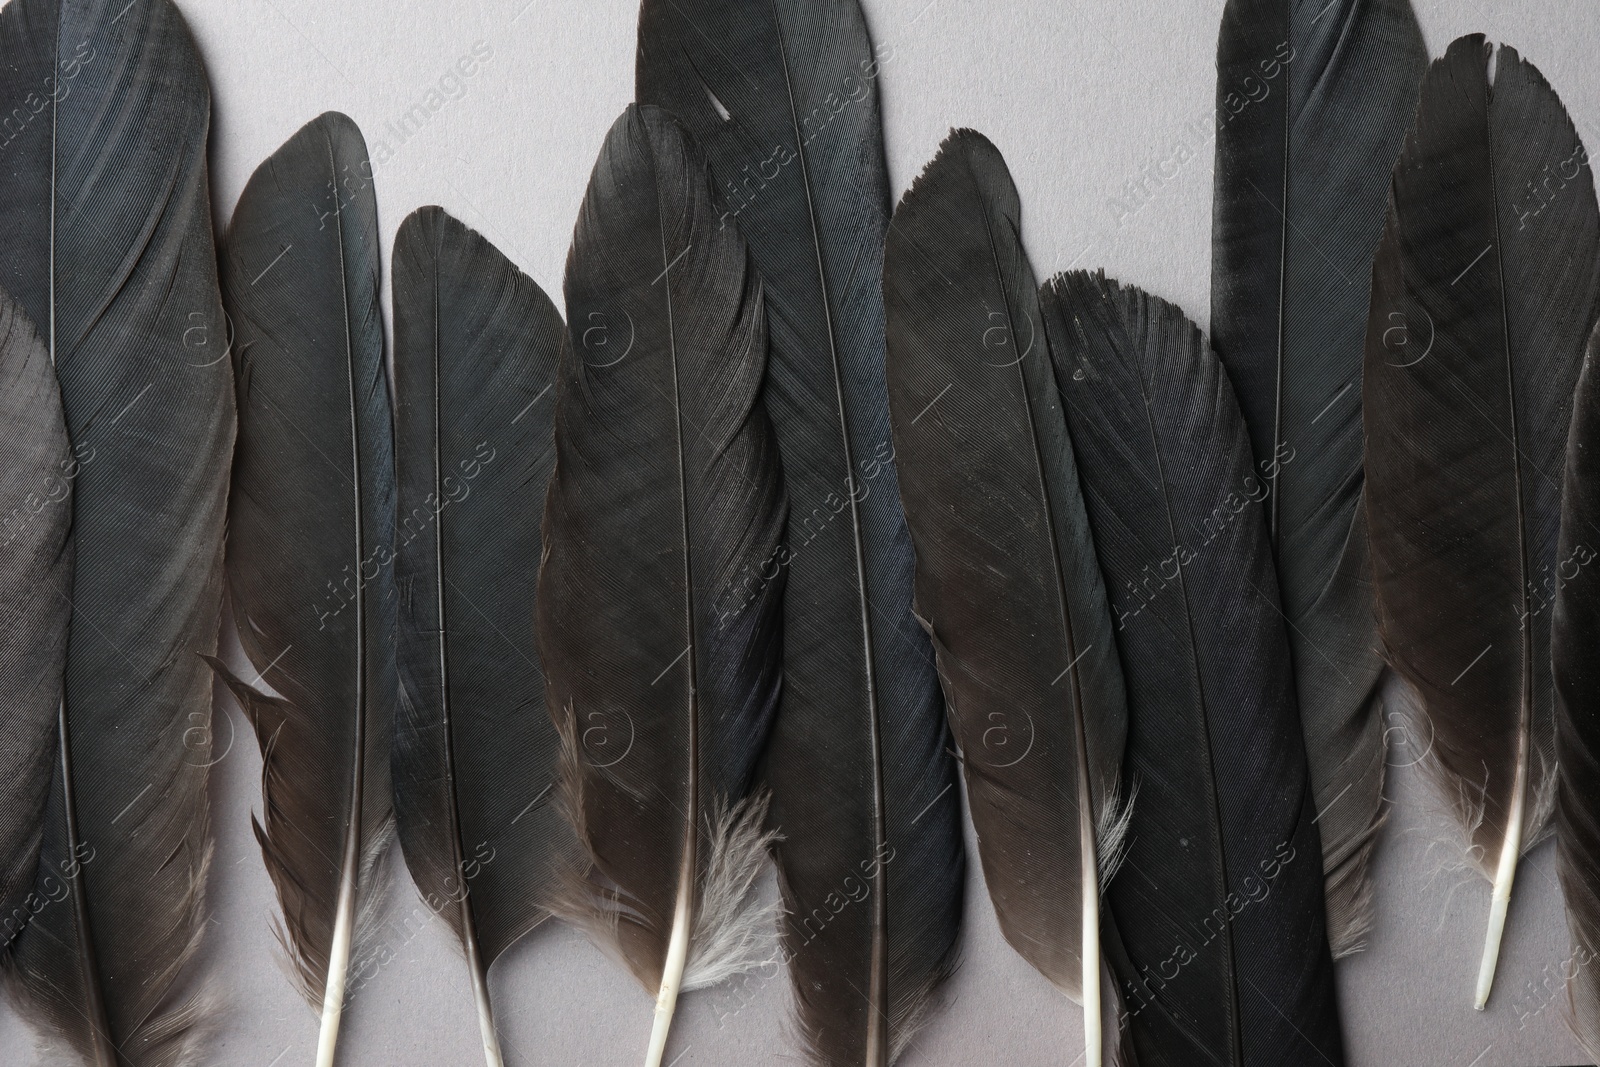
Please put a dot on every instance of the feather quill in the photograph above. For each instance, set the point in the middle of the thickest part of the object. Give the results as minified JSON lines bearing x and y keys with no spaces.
{"x":1483,"y":295}
{"x":36,"y":473}
{"x":783,"y":95}
{"x":1313,"y":100}
{"x":1575,"y":635}
{"x":106,"y":220}
{"x":310,"y":525}
{"x":1007,"y":580}
{"x":476,"y":343}
{"x":662,"y":673}
{"x":1219,"y":901}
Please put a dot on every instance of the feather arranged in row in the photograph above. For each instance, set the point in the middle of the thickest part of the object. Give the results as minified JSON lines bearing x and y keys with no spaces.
{"x":1313,"y":100}
{"x":783,"y":95}
{"x":1007,"y":579}
{"x":475,"y":350}
{"x":1219,"y":901}
{"x":1575,"y":634}
{"x":662,"y":669}
{"x":107,"y":247}
{"x":36,"y":473}
{"x":1484,"y":291}
{"x":310,"y":535}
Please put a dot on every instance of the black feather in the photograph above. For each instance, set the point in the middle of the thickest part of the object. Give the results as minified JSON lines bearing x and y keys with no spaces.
{"x":106,"y":221}
{"x":783,"y":94}
{"x":1007,"y":579}
{"x":476,"y":344}
{"x":1219,"y":902}
{"x":310,"y":525}
{"x":663,"y":672}
{"x":1313,"y":100}
{"x":36,"y":475}
{"x":1575,"y":636}
{"x":1484,"y":293}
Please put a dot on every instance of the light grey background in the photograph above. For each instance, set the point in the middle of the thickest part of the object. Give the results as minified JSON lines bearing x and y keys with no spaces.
{"x":1085,"y":97}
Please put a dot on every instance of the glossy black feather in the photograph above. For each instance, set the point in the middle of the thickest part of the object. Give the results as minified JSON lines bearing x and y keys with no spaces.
{"x":476,"y":344}
{"x":1219,"y":902}
{"x":1575,"y":636}
{"x":662,"y":670}
{"x":36,"y":475}
{"x":1007,"y":580}
{"x":783,"y":94}
{"x":1484,"y":293}
{"x":106,"y":224}
{"x":310,"y":528}
{"x":1313,"y":100}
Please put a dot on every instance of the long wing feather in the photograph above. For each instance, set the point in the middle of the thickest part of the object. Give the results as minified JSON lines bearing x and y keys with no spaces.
{"x":1007,"y":580}
{"x":36,"y":475}
{"x":1484,"y":291}
{"x":1219,"y":902}
{"x":663,"y":671}
{"x":1313,"y":100}
{"x":107,"y":246}
{"x":783,"y":95}
{"x":476,"y":344}
{"x":1575,"y":636}
{"x":310,"y":525}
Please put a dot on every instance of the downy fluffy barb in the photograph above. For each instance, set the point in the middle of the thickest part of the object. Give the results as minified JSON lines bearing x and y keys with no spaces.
{"x":1313,"y":99}
{"x":1484,"y":292}
{"x":1219,"y":905}
{"x":662,"y":665}
{"x":105,"y":242}
{"x":859,"y":765}
{"x":310,"y":530}
{"x":1007,"y":579}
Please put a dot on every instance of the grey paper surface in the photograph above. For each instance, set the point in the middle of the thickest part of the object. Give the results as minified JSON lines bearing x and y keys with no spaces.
{"x":1103,"y":110}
